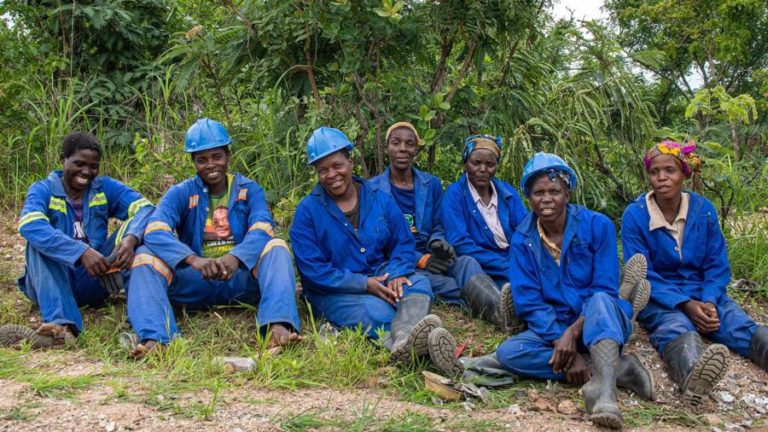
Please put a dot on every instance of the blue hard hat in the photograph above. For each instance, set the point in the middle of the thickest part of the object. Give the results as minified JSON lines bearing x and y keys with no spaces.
{"x":324,"y":141}
{"x":205,"y":134}
{"x":546,"y":162}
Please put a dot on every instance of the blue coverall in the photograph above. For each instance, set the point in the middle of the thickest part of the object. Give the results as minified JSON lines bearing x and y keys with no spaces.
{"x":429,"y":227}
{"x":159,"y":275}
{"x":702,"y":273}
{"x":549,"y":298}
{"x":54,"y":280}
{"x":467,"y":231}
{"x":335,"y":260}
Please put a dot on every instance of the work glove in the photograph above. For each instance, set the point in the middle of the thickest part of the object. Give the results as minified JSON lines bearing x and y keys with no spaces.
{"x":442,"y":249}
{"x":433,"y":264}
{"x":111,"y":281}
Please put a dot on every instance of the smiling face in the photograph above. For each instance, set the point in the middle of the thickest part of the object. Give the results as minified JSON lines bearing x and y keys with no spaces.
{"x":334,"y":172}
{"x":211,"y":166}
{"x":549,"y":198}
{"x":80,"y":169}
{"x":402,"y":147}
{"x":481,"y":166}
{"x":666,"y":177}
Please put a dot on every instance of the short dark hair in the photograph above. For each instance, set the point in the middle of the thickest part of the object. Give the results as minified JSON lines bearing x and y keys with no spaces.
{"x":79,"y":141}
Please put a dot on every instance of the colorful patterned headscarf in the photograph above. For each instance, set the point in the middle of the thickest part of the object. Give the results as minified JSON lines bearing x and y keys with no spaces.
{"x":689,"y":161}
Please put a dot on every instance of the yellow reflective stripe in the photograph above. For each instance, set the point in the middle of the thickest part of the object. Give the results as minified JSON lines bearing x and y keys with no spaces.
{"x":157,"y":226}
{"x":57,"y":204}
{"x":121,"y":232}
{"x":264,"y":226}
{"x":98,"y":199}
{"x":156,"y":263}
{"x":31,"y":216}
{"x":136,"y":205}
{"x":267,"y":248}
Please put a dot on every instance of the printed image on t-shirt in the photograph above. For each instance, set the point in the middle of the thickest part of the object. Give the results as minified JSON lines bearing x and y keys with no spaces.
{"x":217,"y":237}
{"x":78,"y":230}
{"x":411,"y":222}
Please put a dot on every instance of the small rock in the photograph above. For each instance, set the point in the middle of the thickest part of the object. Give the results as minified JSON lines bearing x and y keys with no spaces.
{"x":712,"y":420}
{"x":542,"y":404}
{"x":533,"y":395}
{"x":567,"y":407}
{"x":236,"y":364}
{"x":514,"y":410}
{"x":726,"y":397}
{"x":110,"y":427}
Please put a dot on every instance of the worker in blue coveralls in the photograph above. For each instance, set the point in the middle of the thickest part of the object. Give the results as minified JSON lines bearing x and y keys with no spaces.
{"x":355,"y":255}
{"x":64,"y":221}
{"x":457,"y":280}
{"x":679,"y":234}
{"x":564,"y":271}
{"x":225,"y":252}
{"x":480,"y":214}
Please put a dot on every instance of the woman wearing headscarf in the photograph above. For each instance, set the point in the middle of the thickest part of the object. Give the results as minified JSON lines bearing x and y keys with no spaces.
{"x":480,"y":214}
{"x":679,"y":233}
{"x":418,"y":194}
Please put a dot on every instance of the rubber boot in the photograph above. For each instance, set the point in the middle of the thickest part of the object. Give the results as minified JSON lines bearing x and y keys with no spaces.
{"x":411,"y":327}
{"x":48,"y":335}
{"x":486,"y":371}
{"x":511,"y":323}
{"x":758,"y":348}
{"x":694,"y":369}
{"x":634,"y":287}
{"x":485,"y":300}
{"x":600,"y":392}
{"x":442,"y":346}
{"x":633,"y":376}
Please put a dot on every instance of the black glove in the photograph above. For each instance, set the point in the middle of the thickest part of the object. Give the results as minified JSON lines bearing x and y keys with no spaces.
{"x":443,"y":250}
{"x":111,"y":281}
{"x":434,"y":264}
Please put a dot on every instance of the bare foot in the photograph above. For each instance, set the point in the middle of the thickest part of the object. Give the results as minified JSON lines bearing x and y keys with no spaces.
{"x":61,"y":335}
{"x":143,"y":349}
{"x":281,"y":336}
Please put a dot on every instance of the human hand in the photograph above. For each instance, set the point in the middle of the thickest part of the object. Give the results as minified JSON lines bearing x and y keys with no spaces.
{"x":375,"y":286}
{"x":124,"y":252}
{"x":229,"y":264}
{"x":94,"y":262}
{"x":578,"y":373}
{"x":703,"y":315}
{"x":209,"y":267}
{"x":443,"y":250}
{"x":396,"y":285}
{"x":434,"y":264}
{"x":564,"y":351}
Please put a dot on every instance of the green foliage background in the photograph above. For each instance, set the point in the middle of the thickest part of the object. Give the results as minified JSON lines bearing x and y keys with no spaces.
{"x":139,"y":72}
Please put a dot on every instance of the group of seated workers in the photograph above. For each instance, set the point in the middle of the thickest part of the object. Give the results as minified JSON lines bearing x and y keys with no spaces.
{"x":374,"y":254}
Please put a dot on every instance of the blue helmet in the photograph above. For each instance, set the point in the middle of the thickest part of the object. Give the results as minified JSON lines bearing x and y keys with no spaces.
{"x":546,"y":162}
{"x":324,"y":141}
{"x":205,"y":134}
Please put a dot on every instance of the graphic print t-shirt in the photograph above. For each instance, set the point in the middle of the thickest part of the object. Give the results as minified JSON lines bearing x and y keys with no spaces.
{"x":406,"y":200}
{"x":217,"y":238}
{"x":78,"y":231}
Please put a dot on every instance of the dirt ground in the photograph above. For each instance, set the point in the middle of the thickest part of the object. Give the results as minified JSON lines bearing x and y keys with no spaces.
{"x":740,"y":401}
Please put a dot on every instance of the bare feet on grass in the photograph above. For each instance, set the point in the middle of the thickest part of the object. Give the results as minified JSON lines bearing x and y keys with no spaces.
{"x":143,"y":349}
{"x":281,"y":336}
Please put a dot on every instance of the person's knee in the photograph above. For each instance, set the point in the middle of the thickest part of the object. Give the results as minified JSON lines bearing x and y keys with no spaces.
{"x":146,"y":260}
{"x":419,"y":285}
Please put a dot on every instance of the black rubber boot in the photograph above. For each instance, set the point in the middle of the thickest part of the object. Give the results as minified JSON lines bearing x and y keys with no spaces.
{"x":511,"y":324}
{"x":600,"y":392}
{"x":442,"y":346}
{"x":633,"y":376}
{"x":411,"y":327}
{"x":634,"y":287}
{"x":694,"y":369}
{"x":485,"y":300}
{"x":758,"y":347}
{"x":487,"y":371}
{"x":16,"y":334}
